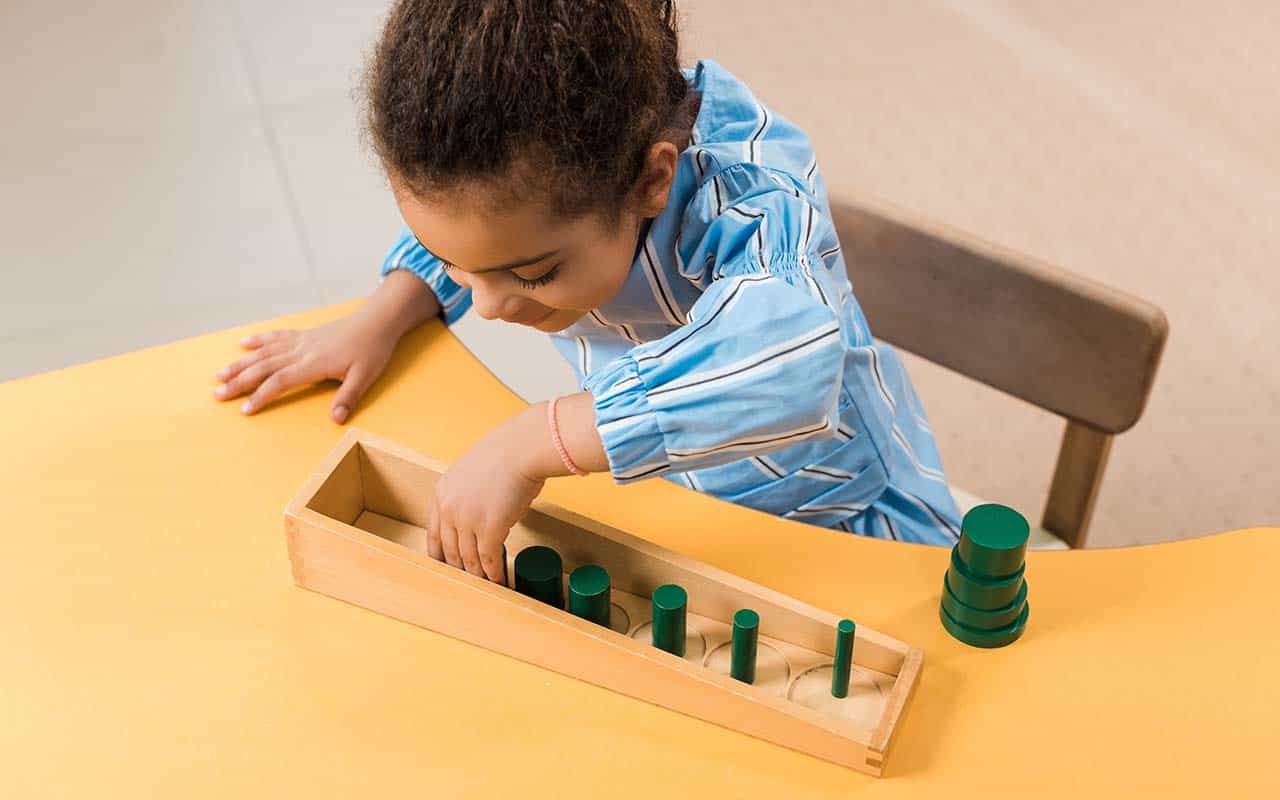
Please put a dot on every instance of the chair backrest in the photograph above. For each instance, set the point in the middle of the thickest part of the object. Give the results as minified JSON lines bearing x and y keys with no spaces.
{"x":1062,"y":342}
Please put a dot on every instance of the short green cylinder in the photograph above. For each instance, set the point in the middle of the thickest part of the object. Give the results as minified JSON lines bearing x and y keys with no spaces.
{"x":993,"y":540}
{"x":589,"y":594}
{"x":843,"y":658}
{"x":539,"y":573}
{"x":670,"y":607}
{"x":746,"y":637}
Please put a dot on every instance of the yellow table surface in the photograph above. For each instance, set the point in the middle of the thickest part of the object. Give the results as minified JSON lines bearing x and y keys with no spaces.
{"x":154,"y":644}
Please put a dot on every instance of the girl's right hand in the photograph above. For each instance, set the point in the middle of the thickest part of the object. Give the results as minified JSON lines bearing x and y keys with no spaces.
{"x":353,"y":350}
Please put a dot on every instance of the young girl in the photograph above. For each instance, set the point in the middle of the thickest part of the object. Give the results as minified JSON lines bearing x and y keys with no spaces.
{"x":555,"y":167}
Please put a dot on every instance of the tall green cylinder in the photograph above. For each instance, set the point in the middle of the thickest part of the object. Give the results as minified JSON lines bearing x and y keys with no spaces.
{"x":843,"y":658}
{"x":539,"y":575}
{"x":589,"y":594}
{"x":746,"y":637}
{"x":670,"y":606}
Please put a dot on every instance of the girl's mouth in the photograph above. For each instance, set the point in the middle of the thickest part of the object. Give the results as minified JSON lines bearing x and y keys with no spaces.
{"x":536,"y":320}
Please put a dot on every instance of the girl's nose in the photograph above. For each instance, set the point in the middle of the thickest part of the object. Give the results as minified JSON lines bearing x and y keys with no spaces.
{"x":491,"y":304}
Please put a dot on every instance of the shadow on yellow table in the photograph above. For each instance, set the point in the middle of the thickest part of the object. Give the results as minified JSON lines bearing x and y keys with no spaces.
{"x":154,"y":644}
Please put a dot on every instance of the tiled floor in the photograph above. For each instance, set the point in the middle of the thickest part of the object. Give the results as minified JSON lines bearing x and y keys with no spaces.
{"x":171,"y":169}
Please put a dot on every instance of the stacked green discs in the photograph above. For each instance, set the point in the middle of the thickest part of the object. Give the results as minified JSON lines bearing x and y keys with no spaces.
{"x":984,"y":593}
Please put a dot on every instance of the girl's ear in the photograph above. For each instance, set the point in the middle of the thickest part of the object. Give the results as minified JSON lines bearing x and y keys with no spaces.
{"x":654,"y":185}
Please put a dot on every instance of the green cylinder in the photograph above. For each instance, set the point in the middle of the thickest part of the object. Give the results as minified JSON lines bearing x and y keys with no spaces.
{"x":998,"y":637}
{"x":982,"y":593}
{"x":746,"y":636}
{"x":539,"y":575}
{"x":589,"y":594}
{"x":983,"y":619}
{"x":843,"y":658}
{"x":670,"y":606}
{"x":993,"y":540}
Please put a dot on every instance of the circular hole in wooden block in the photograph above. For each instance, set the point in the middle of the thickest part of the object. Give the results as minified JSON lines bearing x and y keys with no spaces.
{"x":695,"y":645}
{"x":772,"y":669}
{"x":863,"y":706}
{"x":619,"y":620}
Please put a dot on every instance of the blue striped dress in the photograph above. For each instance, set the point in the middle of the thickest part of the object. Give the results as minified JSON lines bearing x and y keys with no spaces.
{"x":735,"y":359}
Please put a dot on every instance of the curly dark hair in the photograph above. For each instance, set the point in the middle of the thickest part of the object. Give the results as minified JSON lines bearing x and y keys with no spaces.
{"x":555,"y":101}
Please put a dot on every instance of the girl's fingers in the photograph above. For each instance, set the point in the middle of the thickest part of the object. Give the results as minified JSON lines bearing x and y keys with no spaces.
{"x":281,"y":381}
{"x":433,"y":532}
{"x":449,"y":542}
{"x":470,"y":555}
{"x":495,"y":569}
{"x":259,"y":339}
{"x":354,"y":385}
{"x":240,"y":365}
{"x":250,"y":377}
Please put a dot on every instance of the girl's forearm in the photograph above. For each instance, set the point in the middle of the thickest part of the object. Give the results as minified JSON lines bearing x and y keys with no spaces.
{"x":401,"y":303}
{"x":576,"y":420}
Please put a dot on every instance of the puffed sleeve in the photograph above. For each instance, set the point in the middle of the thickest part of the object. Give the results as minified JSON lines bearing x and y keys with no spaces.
{"x":408,"y":254}
{"x":759,"y":364}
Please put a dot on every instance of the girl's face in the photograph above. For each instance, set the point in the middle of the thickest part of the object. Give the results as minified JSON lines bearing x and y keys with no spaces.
{"x":524,"y":268}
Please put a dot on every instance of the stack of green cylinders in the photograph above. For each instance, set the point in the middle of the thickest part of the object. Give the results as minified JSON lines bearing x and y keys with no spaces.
{"x":984,"y":593}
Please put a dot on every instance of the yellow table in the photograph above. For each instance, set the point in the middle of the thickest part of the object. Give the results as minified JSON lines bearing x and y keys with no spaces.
{"x":155,"y":646}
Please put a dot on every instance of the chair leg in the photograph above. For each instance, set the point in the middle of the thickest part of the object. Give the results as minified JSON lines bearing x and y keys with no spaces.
{"x":1082,"y":460}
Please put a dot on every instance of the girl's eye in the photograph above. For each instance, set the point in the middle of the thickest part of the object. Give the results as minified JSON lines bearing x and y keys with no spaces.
{"x":541,"y":280}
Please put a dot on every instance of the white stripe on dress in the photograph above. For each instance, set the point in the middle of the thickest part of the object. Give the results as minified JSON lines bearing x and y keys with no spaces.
{"x":916,"y":501}
{"x":764,"y":468}
{"x":753,"y":144}
{"x":753,"y":442}
{"x":929,"y":472}
{"x":827,"y":473}
{"x":884,"y":391}
{"x":810,"y":171}
{"x":658,"y":284}
{"x":627,"y":331}
{"x":779,"y":355}
{"x":728,"y":300}
{"x":807,"y":510}
{"x":642,"y":471}
{"x":584,"y":354}
{"x":614,"y":426}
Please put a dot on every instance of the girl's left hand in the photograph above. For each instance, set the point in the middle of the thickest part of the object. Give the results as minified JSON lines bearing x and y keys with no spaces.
{"x":479,"y":499}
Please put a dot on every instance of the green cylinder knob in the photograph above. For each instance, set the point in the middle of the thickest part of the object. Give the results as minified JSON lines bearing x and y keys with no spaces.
{"x":670,"y":605}
{"x":746,"y":635}
{"x":843,"y":658}
{"x":589,"y":594}
{"x":993,"y":541}
{"x":538,"y":574}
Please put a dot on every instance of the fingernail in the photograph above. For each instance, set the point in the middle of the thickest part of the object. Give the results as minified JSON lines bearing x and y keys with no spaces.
{"x":246,"y":340}
{"x":246,"y":406}
{"x":222,"y":374}
{"x":340,"y":414}
{"x":220,"y":391}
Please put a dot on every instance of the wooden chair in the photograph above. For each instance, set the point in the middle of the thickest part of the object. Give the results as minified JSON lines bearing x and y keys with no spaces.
{"x":1084,"y":351}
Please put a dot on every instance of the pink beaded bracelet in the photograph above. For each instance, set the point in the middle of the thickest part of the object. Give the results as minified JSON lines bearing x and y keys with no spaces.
{"x":555,"y":438}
